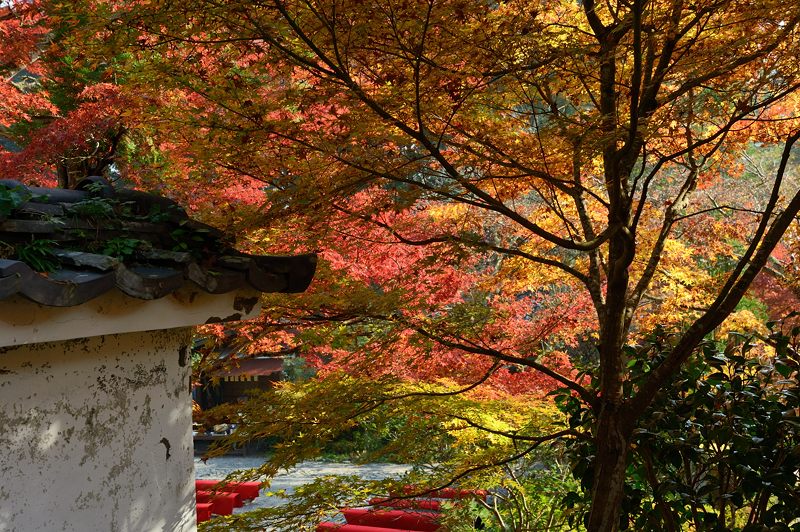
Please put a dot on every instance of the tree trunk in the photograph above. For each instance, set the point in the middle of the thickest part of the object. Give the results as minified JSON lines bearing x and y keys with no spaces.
{"x":612,"y":440}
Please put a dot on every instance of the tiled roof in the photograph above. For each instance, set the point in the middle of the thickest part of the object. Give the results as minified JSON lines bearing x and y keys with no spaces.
{"x":95,"y":239}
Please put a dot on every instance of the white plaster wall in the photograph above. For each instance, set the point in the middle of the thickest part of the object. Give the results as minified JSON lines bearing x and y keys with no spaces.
{"x":84,"y":430}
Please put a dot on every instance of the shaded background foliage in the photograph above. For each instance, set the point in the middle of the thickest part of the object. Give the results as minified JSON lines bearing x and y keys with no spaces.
{"x":719,"y":449}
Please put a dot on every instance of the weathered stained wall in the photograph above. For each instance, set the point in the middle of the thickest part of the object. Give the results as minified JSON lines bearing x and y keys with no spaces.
{"x":95,"y":434}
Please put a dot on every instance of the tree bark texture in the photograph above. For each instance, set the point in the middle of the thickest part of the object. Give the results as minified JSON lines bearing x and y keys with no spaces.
{"x":613,"y":433}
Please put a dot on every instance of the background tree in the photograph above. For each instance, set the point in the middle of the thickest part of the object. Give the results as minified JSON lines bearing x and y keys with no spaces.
{"x":473,"y":167}
{"x":60,"y":119}
{"x":22,"y":34}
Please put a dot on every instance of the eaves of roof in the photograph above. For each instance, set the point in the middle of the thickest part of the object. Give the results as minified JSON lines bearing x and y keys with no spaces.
{"x":77,"y":232}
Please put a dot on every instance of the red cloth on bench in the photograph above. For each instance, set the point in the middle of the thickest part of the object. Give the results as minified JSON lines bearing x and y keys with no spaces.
{"x":247,"y":490}
{"x":447,"y":493}
{"x":423,"y":521}
{"x":203,"y":511}
{"x":222,"y":503}
{"x":419,"y":504}
{"x":327,"y":525}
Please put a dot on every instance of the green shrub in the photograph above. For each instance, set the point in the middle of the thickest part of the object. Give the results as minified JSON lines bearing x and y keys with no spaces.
{"x":719,"y":449}
{"x":528,"y":499}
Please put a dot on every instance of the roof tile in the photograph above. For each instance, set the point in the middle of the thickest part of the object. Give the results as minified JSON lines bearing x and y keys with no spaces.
{"x":97,"y":239}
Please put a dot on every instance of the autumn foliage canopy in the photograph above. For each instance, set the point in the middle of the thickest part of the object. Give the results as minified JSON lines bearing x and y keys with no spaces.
{"x":506,"y":196}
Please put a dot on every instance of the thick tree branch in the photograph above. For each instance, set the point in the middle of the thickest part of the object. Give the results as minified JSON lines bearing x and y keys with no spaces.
{"x":514,"y":435}
{"x":585,"y":394}
{"x":478,"y":244}
{"x":738,"y":282}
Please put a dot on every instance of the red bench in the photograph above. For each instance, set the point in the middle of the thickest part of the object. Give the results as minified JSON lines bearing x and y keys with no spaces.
{"x":247,"y":490}
{"x":222,"y":503}
{"x":339,"y":527}
{"x":421,"y":521}
{"x":447,"y":493}
{"x":417,"y":504}
{"x":203,"y":511}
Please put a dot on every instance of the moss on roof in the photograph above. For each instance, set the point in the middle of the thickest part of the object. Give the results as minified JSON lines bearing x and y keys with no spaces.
{"x":64,"y":247}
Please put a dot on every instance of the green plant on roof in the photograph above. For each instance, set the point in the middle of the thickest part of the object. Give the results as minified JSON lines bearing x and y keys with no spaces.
{"x":11,"y":199}
{"x":192,"y":240}
{"x":122,"y":247}
{"x":95,"y":208}
{"x":159,"y":214}
{"x":38,"y":254}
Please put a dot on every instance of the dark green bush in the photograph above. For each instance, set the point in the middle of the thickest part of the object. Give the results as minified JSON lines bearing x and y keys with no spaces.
{"x":718,"y":450}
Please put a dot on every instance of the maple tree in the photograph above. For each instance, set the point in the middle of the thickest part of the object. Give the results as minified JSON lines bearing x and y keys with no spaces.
{"x":61,"y":121}
{"x":492,"y":186}
{"x":20,"y":36}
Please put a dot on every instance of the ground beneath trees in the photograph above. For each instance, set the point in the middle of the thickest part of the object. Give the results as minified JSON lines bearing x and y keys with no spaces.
{"x":305,"y":472}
